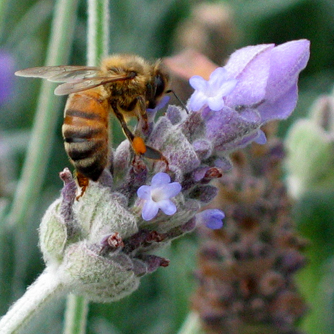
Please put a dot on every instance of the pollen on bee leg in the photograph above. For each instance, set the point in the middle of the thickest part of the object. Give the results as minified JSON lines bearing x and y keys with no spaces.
{"x":138,"y":145}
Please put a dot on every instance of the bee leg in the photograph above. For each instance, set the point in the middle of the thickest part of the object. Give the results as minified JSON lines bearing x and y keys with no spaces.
{"x":83,"y":182}
{"x":124,"y":126}
{"x":142,"y":113}
{"x":137,"y":143}
{"x":154,"y":154}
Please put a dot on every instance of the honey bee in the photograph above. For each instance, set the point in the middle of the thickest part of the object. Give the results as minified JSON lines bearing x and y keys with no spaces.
{"x":125,"y":85}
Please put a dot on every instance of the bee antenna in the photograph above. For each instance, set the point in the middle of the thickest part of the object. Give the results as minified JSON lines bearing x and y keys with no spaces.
{"x":181,"y":102}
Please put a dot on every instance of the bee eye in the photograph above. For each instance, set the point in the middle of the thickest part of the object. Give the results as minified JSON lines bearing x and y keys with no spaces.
{"x":159,"y":85}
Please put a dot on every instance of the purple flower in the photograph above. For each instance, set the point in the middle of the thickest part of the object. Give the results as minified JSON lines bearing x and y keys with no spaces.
{"x":212,"y":218}
{"x":267,"y":77}
{"x":157,"y":196}
{"x":262,"y":77}
{"x":211,"y":92}
{"x":258,"y":84}
{"x":6,"y":75}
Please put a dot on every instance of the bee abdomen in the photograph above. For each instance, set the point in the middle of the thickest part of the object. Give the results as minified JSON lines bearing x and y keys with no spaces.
{"x":81,"y":150}
{"x":85,"y":132}
{"x":89,"y":155}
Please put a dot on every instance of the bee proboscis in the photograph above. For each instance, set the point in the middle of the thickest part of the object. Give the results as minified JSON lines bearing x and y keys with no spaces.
{"x":126,"y":85}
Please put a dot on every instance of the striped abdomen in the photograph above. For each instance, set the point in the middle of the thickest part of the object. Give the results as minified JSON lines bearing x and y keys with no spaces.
{"x":85,"y":132}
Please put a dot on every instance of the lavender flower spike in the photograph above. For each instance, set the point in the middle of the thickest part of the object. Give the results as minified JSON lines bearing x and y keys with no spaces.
{"x":101,"y":245}
{"x":157,"y":196}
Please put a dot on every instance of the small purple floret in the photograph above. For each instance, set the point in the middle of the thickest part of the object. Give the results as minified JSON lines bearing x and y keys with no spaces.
{"x":211,"y":92}
{"x":212,"y":218}
{"x":157,"y":196}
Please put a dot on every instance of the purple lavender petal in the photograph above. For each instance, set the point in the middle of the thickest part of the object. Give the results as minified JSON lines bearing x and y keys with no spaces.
{"x":250,"y":65}
{"x":211,"y":92}
{"x":197,"y":101}
{"x":287,"y":61}
{"x":228,"y":86}
{"x":144,"y":192}
{"x":160,"y":179}
{"x":198,"y":83}
{"x":216,"y":103}
{"x":281,"y":108}
{"x":171,"y":190}
{"x":242,"y":57}
{"x":167,"y":206}
{"x":219,"y":77}
{"x":150,"y":210}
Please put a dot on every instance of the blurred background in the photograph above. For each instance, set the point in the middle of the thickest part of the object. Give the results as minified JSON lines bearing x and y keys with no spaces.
{"x":156,"y":29}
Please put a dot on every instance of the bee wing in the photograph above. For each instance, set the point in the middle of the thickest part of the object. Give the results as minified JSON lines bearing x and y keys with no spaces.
{"x":59,"y":73}
{"x":84,"y":84}
{"x":75,"y":78}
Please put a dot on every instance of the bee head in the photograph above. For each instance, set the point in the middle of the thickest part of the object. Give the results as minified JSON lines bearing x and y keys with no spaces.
{"x":157,"y":88}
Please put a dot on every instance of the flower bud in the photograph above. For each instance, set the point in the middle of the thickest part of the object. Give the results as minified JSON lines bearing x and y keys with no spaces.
{"x":98,"y":278}
{"x":102,"y":212}
{"x":53,"y":234}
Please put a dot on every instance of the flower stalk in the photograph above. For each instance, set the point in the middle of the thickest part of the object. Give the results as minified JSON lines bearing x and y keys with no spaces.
{"x":76,"y":315}
{"x":98,"y":31}
{"x":191,"y":325}
{"x":46,"y":288}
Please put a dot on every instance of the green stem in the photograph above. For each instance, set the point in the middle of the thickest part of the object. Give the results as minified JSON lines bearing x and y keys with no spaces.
{"x":191,"y":325}
{"x":3,"y":11}
{"x":76,"y":315}
{"x":38,"y":295}
{"x":40,"y":144}
{"x":97,"y":48}
{"x":98,"y":31}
